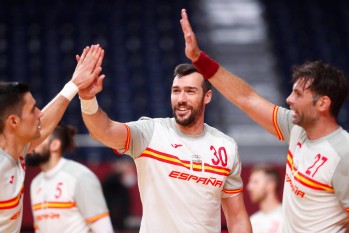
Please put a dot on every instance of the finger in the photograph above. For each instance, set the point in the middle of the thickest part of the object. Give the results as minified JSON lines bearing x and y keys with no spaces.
{"x":96,"y":72}
{"x":84,"y":53}
{"x":100,"y":59}
{"x":185,"y":22}
{"x":95,"y":51}
{"x":77,"y":57}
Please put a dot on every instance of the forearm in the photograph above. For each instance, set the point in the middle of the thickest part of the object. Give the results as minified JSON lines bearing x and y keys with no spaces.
{"x":52,"y":113}
{"x":242,"y":95}
{"x":111,"y":133}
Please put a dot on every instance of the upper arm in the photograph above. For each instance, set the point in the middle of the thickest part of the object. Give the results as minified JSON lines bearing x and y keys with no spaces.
{"x":236,"y":214}
{"x":245,"y":97}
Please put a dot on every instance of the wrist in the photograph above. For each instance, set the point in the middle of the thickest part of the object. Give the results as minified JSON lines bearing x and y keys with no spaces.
{"x":206,"y":65}
{"x":89,"y":106}
{"x":69,"y":90}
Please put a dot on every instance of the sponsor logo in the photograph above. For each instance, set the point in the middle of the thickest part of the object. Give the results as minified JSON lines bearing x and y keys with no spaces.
{"x":197,"y":179}
{"x":294,"y":188}
{"x":47,"y":216}
{"x":16,"y":215}
{"x":176,"y":145}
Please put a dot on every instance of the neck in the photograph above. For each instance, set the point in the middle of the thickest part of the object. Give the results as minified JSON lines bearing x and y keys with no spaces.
{"x":11,"y":146}
{"x":193,"y":130}
{"x":51,"y":163}
{"x":269,"y":204}
{"x":321,"y":129}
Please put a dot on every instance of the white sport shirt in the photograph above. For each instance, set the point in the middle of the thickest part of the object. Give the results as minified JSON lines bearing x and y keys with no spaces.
{"x":67,"y":199}
{"x":182,"y":178}
{"x":270,"y":222}
{"x":11,"y":191}
{"x":316,"y":189}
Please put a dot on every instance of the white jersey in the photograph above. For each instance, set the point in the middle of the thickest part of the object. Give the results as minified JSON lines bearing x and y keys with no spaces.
{"x":270,"y":222}
{"x":12,"y":174}
{"x":316,"y":189}
{"x":182,"y":178}
{"x":66,"y":199}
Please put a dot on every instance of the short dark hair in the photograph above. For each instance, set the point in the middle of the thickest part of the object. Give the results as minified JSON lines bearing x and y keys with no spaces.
{"x":325,"y":80}
{"x":11,"y":100}
{"x":186,"y":69}
{"x":270,"y":171}
{"x":65,"y":133}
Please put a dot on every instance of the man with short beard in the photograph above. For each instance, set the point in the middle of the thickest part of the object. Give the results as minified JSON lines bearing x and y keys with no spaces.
{"x":316,"y":188}
{"x":186,"y":168}
{"x":23,"y":126}
{"x":263,"y":188}
{"x":66,"y":196}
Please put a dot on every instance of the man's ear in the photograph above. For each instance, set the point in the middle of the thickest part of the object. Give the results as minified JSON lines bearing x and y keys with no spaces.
{"x":208,"y":97}
{"x":55,"y":145}
{"x":13,"y":121}
{"x":324,"y":103}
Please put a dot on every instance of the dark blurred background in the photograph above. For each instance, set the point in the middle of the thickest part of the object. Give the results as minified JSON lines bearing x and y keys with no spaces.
{"x":260,"y":40}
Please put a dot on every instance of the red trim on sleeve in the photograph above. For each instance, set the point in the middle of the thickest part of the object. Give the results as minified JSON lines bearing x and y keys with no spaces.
{"x":276,"y":126}
{"x":127,"y":144}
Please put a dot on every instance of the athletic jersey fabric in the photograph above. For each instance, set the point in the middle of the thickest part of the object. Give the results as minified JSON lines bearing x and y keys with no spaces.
{"x":270,"y":222}
{"x":12,"y":175}
{"x":182,"y":178}
{"x":316,"y":189}
{"x":66,"y":198}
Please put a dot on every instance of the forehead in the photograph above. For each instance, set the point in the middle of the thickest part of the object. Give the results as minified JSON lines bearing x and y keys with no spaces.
{"x":191,"y":80}
{"x":28,"y":101}
{"x":302,"y":84}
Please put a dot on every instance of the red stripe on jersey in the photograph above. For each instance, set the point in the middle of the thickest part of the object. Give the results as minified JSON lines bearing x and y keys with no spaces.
{"x":97,"y":217}
{"x":54,"y":205}
{"x":127,"y":143}
{"x":276,"y":126}
{"x":13,"y":202}
{"x":233,"y":191}
{"x":171,"y":159}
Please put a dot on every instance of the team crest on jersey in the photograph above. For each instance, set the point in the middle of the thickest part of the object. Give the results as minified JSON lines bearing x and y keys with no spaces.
{"x":197,"y":163}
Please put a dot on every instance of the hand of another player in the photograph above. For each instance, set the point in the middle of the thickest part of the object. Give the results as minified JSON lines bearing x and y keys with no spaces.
{"x":88,"y":68}
{"x":192,"y":50}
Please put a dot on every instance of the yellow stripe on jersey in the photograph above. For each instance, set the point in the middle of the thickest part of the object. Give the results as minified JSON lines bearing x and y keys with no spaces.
{"x":97,"y":217}
{"x":305,"y":180}
{"x":163,"y":157}
{"x":54,"y":205}
{"x":233,"y":191}
{"x":276,"y":126}
{"x":13,"y":202}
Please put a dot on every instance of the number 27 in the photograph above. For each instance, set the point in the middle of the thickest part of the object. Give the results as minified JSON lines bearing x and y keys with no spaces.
{"x":319,"y":161}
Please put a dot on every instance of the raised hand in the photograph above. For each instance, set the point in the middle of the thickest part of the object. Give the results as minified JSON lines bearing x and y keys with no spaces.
{"x":88,"y":67}
{"x":192,"y":50}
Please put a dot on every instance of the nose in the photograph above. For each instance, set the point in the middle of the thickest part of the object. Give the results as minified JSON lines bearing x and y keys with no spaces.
{"x":182,"y":97}
{"x":289,"y":99}
{"x":40,"y":114}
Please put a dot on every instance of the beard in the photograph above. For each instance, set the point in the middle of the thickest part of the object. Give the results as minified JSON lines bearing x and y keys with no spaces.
{"x":189,"y":120}
{"x":35,"y":159}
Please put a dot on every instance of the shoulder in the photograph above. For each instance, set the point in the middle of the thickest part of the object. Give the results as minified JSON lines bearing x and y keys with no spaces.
{"x":78,"y":170}
{"x":219,"y":134}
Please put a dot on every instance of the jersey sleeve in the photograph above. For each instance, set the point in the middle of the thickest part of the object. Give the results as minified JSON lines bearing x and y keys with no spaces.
{"x":233,"y":184}
{"x":89,"y":198}
{"x":341,"y":182}
{"x":282,"y":119}
{"x":141,"y":132}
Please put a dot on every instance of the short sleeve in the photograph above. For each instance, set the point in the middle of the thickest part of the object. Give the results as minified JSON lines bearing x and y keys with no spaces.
{"x":89,"y":197}
{"x":233,"y":184}
{"x":141,"y":133}
{"x":341,"y":182}
{"x":282,"y":119}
